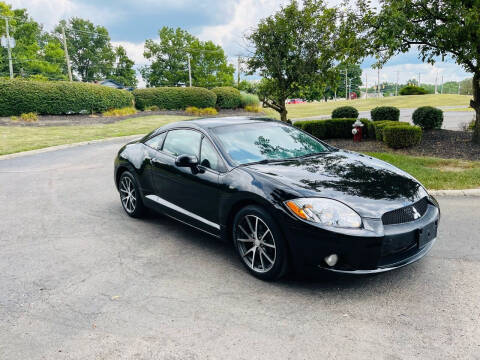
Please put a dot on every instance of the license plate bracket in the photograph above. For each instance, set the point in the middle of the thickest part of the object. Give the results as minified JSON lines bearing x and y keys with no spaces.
{"x":426,"y":234}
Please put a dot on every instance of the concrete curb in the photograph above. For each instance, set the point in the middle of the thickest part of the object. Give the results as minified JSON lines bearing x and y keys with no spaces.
{"x":455,"y":193}
{"x":66,"y":146}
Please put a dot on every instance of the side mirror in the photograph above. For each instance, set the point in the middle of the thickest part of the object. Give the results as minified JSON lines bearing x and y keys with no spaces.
{"x":190,"y":161}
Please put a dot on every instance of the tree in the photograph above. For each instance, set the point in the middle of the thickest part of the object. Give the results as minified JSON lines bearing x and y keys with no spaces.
{"x":36,"y":53}
{"x":169,"y":56}
{"x":438,"y":28}
{"x":298,"y":46}
{"x":123,"y":71}
{"x":91,"y":53}
{"x":209,"y":65}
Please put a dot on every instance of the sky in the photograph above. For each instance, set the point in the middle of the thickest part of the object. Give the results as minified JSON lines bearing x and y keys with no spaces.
{"x":224,"y":22}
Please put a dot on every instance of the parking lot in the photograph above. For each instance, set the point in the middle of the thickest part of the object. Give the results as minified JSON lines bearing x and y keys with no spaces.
{"x":80,"y":279}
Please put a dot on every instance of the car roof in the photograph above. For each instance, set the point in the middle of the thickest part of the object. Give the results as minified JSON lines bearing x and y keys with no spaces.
{"x":209,"y":123}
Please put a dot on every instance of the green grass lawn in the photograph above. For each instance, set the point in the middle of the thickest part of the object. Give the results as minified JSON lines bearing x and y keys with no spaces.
{"x":16,"y":138}
{"x":407,"y":102}
{"x":437,"y":173}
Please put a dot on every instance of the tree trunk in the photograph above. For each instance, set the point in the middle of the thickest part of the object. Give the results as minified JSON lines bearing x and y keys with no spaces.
{"x":283,"y":114}
{"x":475,"y":104}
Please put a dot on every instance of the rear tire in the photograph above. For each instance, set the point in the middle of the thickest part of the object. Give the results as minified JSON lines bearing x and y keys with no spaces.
{"x":260,"y":243}
{"x":130,"y":196}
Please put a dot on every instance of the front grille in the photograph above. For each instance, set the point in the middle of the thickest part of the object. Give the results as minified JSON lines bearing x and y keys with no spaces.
{"x":406,"y":214}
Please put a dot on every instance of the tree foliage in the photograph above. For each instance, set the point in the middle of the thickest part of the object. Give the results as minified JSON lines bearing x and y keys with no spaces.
{"x":438,"y":28}
{"x":91,"y":52}
{"x":123,"y":71}
{"x":169,"y":61}
{"x":36,"y":53}
{"x":299,"y":46}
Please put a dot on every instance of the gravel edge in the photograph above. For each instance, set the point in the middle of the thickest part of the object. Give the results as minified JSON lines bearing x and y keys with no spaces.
{"x":454,"y":193}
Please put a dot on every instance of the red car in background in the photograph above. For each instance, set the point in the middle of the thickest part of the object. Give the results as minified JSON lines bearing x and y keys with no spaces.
{"x":296,"y":101}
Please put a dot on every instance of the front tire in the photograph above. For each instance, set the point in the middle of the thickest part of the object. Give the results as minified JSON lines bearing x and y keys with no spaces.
{"x":130,"y":195}
{"x":260,"y":243}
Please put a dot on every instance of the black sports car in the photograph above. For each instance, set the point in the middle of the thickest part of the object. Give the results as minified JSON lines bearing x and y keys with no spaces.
{"x":284,"y":198}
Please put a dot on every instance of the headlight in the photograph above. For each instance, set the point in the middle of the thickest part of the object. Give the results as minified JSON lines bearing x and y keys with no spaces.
{"x":325,"y":212}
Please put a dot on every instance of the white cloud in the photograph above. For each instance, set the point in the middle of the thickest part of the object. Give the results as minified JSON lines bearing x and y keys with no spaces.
{"x":50,"y":12}
{"x":246,"y":15}
{"x":134,"y":51}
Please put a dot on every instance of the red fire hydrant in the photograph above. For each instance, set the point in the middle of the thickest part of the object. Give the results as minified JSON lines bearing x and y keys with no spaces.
{"x":357,"y":130}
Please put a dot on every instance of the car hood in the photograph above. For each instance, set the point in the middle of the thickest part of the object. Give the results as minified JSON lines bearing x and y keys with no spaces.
{"x":368,"y":185}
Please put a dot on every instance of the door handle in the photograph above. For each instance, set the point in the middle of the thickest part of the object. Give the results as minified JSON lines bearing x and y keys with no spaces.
{"x":155,"y":161}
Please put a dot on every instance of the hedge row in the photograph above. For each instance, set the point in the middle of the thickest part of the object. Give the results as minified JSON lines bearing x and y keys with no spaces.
{"x":379,"y":125}
{"x":335,"y":128}
{"x":227,"y":97}
{"x":394,"y":133}
{"x":59,"y":97}
{"x":174,"y":98}
{"x":402,"y":136}
{"x":397,"y":134}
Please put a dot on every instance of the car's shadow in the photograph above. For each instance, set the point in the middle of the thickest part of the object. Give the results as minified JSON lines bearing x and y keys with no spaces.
{"x":307,"y":279}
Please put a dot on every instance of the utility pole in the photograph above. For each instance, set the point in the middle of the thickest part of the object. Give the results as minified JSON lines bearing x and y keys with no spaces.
{"x":366,"y":86}
{"x":238,"y":70}
{"x":418,"y":79}
{"x":378,"y":83}
{"x":442,"y":84}
{"x":396,"y":86}
{"x":9,"y":49}
{"x":459,"y":88}
{"x":436,"y":76}
{"x":189,"y":71}
{"x":67,"y":58}
{"x":346,"y":84}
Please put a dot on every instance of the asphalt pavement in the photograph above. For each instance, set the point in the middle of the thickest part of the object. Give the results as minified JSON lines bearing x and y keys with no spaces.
{"x":81,"y":280}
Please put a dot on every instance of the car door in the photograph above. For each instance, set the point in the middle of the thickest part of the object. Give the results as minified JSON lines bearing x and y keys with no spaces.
{"x":188,"y":194}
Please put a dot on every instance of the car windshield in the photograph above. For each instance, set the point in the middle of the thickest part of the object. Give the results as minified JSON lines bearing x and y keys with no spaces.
{"x":248,"y":143}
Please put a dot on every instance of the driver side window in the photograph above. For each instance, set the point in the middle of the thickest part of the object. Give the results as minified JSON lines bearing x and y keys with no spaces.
{"x":182,"y":142}
{"x":208,"y":156}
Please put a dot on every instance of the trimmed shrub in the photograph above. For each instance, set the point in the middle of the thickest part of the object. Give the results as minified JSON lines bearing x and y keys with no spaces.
{"x":428,"y":117}
{"x":59,"y":97}
{"x":152,"y":108}
{"x":247,"y":99}
{"x":385,"y":113}
{"x":253,"y":108}
{"x":174,"y":98}
{"x":227,"y":97}
{"x":334,"y":128}
{"x":29,"y":117}
{"x":380,"y":125}
{"x":403,"y":136}
{"x":120,"y":112}
{"x":412,"y":90}
{"x":192,"y":110}
{"x":345,"y":112}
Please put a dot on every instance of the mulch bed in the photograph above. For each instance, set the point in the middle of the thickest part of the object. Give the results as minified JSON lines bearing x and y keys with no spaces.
{"x":447,"y":144}
{"x":67,"y":120}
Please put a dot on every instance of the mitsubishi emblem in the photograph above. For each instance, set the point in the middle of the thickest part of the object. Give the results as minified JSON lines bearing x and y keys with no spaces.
{"x":416,"y":214}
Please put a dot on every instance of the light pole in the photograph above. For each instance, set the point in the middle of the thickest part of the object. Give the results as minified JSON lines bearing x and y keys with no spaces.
{"x":9,"y":49}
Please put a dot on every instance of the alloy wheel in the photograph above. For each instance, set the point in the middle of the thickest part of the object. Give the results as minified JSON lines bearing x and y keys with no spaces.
{"x":128,"y":194}
{"x":256,"y":243}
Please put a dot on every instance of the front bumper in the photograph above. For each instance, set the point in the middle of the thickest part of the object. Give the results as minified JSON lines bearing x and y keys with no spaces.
{"x":373,"y":249}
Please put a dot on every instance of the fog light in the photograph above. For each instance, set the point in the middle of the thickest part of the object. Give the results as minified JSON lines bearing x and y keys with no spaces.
{"x":331,"y":260}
